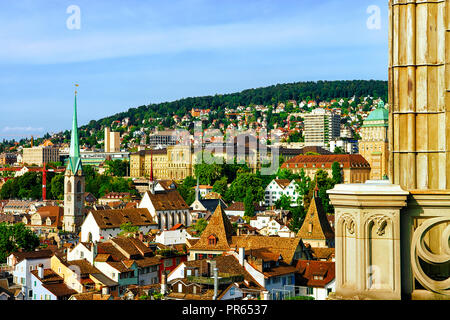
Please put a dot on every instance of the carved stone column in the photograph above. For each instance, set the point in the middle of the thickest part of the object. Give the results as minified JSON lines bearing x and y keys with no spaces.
{"x":367,"y":225}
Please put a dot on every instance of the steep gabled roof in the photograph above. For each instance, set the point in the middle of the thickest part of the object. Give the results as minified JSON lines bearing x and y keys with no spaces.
{"x":211,"y":204}
{"x":315,"y":225}
{"x":220,"y":227}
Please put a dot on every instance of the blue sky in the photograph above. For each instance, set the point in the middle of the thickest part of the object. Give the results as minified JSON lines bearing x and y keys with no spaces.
{"x":130,"y":53}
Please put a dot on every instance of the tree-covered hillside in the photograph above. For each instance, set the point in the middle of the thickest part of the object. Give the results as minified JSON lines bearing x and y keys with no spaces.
{"x":318,"y":91}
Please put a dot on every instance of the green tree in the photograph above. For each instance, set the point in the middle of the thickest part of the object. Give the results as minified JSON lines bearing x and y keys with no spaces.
{"x":128,"y":228}
{"x":249,"y":205}
{"x":200,"y":225}
{"x":15,"y":237}
{"x":187,"y":190}
{"x":57,"y":187}
{"x":339,"y":150}
{"x":336,"y":173}
{"x":240,"y":186}
{"x":221,"y":186}
{"x":298,"y":215}
{"x":284,"y":202}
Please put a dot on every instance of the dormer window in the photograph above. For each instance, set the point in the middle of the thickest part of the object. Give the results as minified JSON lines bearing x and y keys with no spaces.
{"x":212,"y":240}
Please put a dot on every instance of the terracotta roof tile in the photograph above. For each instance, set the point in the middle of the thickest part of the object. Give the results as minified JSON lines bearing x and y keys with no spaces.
{"x":315,"y":273}
{"x":107,"y":219}
{"x":167,"y":200}
{"x":347,"y":160}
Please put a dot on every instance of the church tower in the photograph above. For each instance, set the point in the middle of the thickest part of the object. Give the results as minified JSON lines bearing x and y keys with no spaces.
{"x":74,"y":182}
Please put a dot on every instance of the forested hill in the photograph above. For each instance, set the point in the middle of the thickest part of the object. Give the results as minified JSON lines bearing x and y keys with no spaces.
{"x":319,"y":91}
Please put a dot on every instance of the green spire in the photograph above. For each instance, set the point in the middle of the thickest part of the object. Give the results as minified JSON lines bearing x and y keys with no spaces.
{"x":74,"y":163}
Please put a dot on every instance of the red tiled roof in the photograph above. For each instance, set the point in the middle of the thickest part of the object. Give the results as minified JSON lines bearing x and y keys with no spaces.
{"x":324,"y":271}
{"x":316,"y":161}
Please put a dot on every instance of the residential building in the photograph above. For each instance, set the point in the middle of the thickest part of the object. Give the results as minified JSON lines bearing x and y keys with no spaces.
{"x":8,"y":158}
{"x":129,"y":260}
{"x":374,"y":145}
{"x":320,"y":126}
{"x":204,"y":190}
{"x":102,"y":225}
{"x":176,"y":235}
{"x":315,"y":279}
{"x":80,"y":275}
{"x":10,"y":292}
{"x":45,"y":220}
{"x":17,"y":207}
{"x":218,"y":238}
{"x":354,"y":168}
{"x":194,"y":280}
{"x":25,"y":262}
{"x":113,"y":197}
{"x":48,"y":285}
{"x":279,"y":187}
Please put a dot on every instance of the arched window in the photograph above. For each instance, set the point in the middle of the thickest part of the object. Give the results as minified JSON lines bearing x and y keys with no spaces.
{"x":69,"y":187}
{"x":79,"y":187}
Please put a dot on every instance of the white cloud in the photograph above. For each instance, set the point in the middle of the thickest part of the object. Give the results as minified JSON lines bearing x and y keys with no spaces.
{"x":76,"y":46}
{"x":22,"y":129}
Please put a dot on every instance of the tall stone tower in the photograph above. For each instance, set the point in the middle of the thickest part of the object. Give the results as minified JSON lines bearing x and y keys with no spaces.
{"x":74,"y":182}
{"x":393,"y":240}
{"x":419,"y":84}
{"x":419,"y":93}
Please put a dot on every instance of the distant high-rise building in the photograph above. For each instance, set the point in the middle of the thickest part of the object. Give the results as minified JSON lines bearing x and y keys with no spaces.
{"x":321,"y":126}
{"x":112,"y":141}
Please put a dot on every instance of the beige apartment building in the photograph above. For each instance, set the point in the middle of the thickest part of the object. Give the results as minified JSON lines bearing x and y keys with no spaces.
{"x":40,"y":155}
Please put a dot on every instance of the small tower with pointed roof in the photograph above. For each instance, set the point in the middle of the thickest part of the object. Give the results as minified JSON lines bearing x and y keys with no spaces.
{"x":316,"y":229}
{"x":74,"y":182}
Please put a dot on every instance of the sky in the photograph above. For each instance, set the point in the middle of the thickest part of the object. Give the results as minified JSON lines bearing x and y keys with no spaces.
{"x":124,"y":54}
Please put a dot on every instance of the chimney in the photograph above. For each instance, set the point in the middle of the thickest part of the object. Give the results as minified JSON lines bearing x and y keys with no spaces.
{"x":41,"y":271}
{"x":163,"y":283}
{"x":216,"y":283}
{"x":241,"y":256}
